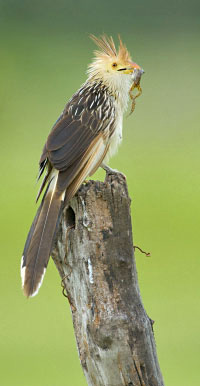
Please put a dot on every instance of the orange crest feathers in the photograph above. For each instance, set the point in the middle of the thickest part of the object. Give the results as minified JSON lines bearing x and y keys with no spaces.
{"x":123,"y":52}
{"x":107,"y":46}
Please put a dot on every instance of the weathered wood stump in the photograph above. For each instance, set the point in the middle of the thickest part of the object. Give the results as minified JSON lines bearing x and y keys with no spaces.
{"x":95,"y":257}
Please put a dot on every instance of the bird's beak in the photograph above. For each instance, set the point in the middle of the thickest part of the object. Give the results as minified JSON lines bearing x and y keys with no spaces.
{"x":132,"y":66}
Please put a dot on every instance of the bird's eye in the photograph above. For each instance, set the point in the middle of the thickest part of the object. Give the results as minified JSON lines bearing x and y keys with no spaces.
{"x":114,"y":65}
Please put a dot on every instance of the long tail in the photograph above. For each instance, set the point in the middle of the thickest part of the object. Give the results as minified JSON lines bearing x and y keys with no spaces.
{"x":39,"y":241}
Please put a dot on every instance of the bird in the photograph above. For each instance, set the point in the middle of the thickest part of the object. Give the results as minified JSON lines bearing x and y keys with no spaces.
{"x":84,"y":137}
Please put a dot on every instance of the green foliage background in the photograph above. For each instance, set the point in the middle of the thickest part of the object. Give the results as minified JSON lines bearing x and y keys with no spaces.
{"x":44,"y":53}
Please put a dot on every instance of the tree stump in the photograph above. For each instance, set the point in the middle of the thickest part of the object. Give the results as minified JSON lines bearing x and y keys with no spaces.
{"x":94,"y":254}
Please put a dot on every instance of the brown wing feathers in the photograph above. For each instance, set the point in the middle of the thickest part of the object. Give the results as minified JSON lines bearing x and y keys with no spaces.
{"x":91,"y":162}
{"x":74,"y":149}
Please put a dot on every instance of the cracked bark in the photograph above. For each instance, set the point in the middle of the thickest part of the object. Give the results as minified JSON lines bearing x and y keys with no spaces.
{"x":94,"y":254}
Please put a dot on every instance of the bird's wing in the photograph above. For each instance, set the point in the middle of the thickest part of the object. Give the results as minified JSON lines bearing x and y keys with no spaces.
{"x":80,"y":136}
{"x":83,"y":119}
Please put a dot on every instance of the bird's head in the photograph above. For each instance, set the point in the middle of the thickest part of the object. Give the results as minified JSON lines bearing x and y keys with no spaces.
{"x":115,"y":68}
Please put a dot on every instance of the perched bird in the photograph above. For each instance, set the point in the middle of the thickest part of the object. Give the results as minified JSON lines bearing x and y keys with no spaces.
{"x":87,"y":133}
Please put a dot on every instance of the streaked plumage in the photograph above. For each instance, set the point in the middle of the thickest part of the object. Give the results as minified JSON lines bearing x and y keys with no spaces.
{"x":87,"y":133}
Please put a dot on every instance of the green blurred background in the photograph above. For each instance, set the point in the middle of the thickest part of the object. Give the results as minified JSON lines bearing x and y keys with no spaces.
{"x":44,"y":53}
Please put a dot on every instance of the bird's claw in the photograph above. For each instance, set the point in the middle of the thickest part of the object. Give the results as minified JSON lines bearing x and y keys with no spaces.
{"x":110,"y":171}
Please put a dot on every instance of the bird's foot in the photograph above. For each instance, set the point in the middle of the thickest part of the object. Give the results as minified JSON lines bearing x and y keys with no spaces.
{"x":110,"y":171}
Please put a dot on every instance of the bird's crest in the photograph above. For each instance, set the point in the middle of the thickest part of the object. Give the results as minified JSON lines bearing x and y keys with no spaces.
{"x":107,"y":46}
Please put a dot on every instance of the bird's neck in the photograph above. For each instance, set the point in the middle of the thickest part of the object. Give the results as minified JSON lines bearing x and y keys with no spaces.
{"x":117,"y":86}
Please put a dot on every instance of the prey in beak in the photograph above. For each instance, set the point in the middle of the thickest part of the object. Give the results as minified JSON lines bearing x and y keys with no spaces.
{"x":137,"y":73}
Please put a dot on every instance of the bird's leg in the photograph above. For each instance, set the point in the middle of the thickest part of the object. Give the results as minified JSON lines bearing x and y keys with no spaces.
{"x":110,"y":171}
